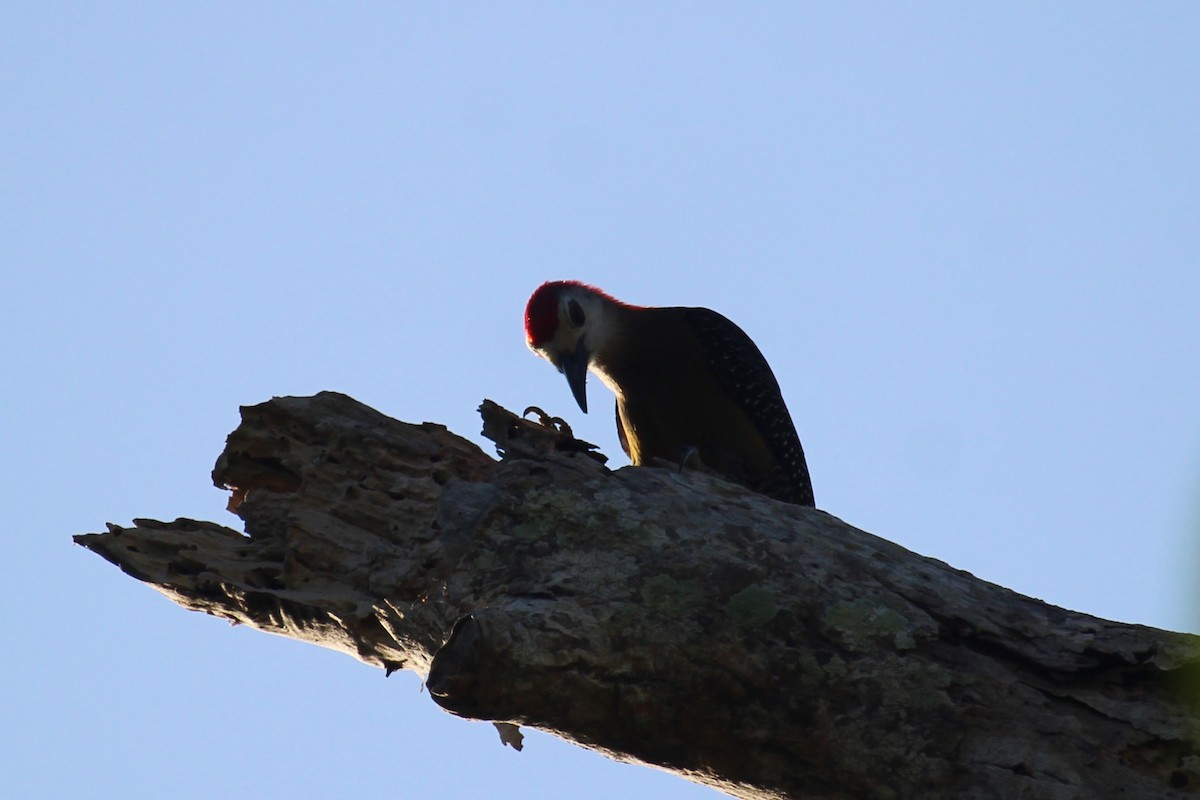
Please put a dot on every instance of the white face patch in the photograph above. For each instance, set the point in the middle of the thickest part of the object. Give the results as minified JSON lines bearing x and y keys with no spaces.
{"x":597,"y":323}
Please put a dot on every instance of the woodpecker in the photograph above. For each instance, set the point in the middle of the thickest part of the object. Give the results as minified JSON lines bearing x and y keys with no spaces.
{"x":687,"y":380}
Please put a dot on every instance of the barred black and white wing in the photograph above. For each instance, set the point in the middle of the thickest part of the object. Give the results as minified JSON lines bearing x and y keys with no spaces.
{"x":745,"y":374}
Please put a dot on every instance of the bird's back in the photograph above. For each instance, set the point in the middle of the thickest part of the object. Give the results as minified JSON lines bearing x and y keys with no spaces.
{"x":706,"y":385}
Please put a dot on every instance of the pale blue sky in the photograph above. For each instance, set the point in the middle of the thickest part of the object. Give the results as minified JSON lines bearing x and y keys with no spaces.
{"x":966,"y":236}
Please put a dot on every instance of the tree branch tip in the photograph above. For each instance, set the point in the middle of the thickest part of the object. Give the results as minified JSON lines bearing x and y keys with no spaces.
{"x":518,"y":437}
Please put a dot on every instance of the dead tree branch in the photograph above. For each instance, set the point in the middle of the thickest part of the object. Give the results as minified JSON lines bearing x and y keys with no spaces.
{"x":765,"y":649}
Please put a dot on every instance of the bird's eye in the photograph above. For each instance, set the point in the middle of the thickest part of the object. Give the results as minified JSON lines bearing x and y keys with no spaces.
{"x":576,"y":313}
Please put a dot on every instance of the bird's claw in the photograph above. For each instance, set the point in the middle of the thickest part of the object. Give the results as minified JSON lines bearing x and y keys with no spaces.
{"x":545,"y":420}
{"x":689,"y":453}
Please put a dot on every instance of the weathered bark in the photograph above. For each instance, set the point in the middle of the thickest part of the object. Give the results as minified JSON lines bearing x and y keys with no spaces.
{"x":672,"y":618}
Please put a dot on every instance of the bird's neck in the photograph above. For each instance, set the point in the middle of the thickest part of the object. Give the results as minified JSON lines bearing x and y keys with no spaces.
{"x":637,"y":343}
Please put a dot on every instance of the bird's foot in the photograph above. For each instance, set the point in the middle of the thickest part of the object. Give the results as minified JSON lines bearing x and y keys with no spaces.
{"x":517,"y":437}
{"x":557,"y":424}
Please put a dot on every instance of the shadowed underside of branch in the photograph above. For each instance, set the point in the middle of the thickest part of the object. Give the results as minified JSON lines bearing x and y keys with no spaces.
{"x":670,"y":618}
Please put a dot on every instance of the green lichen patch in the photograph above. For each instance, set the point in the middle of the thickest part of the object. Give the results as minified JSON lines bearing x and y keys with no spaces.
{"x":486,"y":561}
{"x":623,"y":520}
{"x":752,"y":607}
{"x":625,"y":617}
{"x":559,"y":514}
{"x":550,"y":513}
{"x":859,"y":621}
{"x":665,"y":595}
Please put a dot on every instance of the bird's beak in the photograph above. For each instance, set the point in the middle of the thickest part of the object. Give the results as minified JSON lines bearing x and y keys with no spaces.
{"x":575,"y":367}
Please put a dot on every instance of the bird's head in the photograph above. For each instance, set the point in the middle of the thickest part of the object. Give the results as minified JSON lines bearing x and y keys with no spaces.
{"x":566,"y":324}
